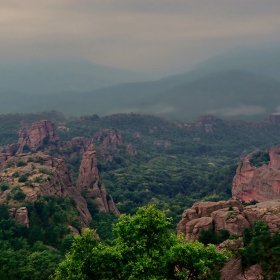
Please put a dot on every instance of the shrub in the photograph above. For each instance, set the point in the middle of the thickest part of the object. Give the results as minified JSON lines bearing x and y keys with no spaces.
{"x":15,"y":175}
{"x":19,"y":196}
{"x":45,"y":171}
{"x":30,"y":159}
{"x":4,"y":187}
{"x":23,"y":178}
{"x":21,"y":163}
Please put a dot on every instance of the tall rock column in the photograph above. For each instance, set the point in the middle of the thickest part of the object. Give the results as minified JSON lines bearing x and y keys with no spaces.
{"x":88,"y":172}
{"x":88,"y":181}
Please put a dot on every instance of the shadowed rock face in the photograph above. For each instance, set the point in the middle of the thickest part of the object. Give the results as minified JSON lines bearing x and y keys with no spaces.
{"x":37,"y":134}
{"x":260,"y":184}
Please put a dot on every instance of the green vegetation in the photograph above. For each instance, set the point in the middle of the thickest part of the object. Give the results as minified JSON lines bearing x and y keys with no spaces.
{"x":260,"y":158}
{"x":144,"y":248}
{"x":261,"y":247}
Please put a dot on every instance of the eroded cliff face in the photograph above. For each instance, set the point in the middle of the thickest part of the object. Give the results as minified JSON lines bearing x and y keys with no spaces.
{"x":260,"y":184}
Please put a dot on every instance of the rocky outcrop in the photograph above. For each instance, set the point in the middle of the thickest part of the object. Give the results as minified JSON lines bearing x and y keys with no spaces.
{"x":38,"y":134}
{"x":22,"y":216}
{"x":110,"y":141}
{"x":89,"y":182}
{"x":45,"y":176}
{"x":212,"y":216}
{"x":228,"y":215}
{"x":88,"y":172}
{"x":260,"y":184}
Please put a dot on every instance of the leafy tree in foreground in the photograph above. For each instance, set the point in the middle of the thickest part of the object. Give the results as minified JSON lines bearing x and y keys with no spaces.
{"x":144,"y":249}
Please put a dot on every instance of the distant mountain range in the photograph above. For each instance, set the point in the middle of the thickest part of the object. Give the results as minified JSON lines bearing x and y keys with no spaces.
{"x":242,"y":84}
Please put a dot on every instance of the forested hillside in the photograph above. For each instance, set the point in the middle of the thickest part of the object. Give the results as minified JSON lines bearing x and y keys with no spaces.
{"x":141,"y":160}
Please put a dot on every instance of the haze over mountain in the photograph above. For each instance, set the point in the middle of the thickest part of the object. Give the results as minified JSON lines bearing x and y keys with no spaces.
{"x":241,"y":84}
{"x":44,"y":76}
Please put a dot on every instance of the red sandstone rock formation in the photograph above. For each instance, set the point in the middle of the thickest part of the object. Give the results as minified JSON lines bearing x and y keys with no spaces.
{"x":89,"y":181}
{"x":212,"y":216}
{"x":37,"y":134}
{"x":260,"y":184}
{"x":217,"y":216}
{"x":88,"y":173}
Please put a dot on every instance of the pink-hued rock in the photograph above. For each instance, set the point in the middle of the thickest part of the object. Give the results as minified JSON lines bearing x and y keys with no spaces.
{"x":206,"y":209}
{"x":22,"y":216}
{"x":88,"y":172}
{"x":111,"y":140}
{"x":194,"y":227}
{"x":89,"y":181}
{"x":37,"y":134}
{"x":232,"y":221}
{"x":260,"y":184}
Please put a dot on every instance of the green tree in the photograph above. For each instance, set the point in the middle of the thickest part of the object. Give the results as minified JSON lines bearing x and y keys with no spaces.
{"x":143,"y":249}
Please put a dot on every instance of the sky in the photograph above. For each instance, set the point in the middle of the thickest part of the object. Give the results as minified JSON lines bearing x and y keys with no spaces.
{"x":142,"y":35}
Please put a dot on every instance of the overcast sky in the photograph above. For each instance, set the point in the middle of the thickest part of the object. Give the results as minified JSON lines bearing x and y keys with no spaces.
{"x":141,"y":35}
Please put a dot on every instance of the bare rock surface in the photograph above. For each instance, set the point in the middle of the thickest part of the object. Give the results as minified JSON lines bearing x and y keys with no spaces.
{"x":89,"y":181}
{"x":22,"y":216}
{"x":228,"y":215}
{"x":260,"y":184}
{"x":37,"y":134}
{"x":88,"y":172}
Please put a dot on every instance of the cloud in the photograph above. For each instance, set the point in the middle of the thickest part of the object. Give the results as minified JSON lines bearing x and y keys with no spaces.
{"x":138,"y":35}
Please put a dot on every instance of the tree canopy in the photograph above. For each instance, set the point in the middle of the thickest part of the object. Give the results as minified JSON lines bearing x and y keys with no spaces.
{"x":144,"y":248}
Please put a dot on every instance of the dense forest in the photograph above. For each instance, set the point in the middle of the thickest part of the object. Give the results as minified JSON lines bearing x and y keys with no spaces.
{"x":176,"y":165}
